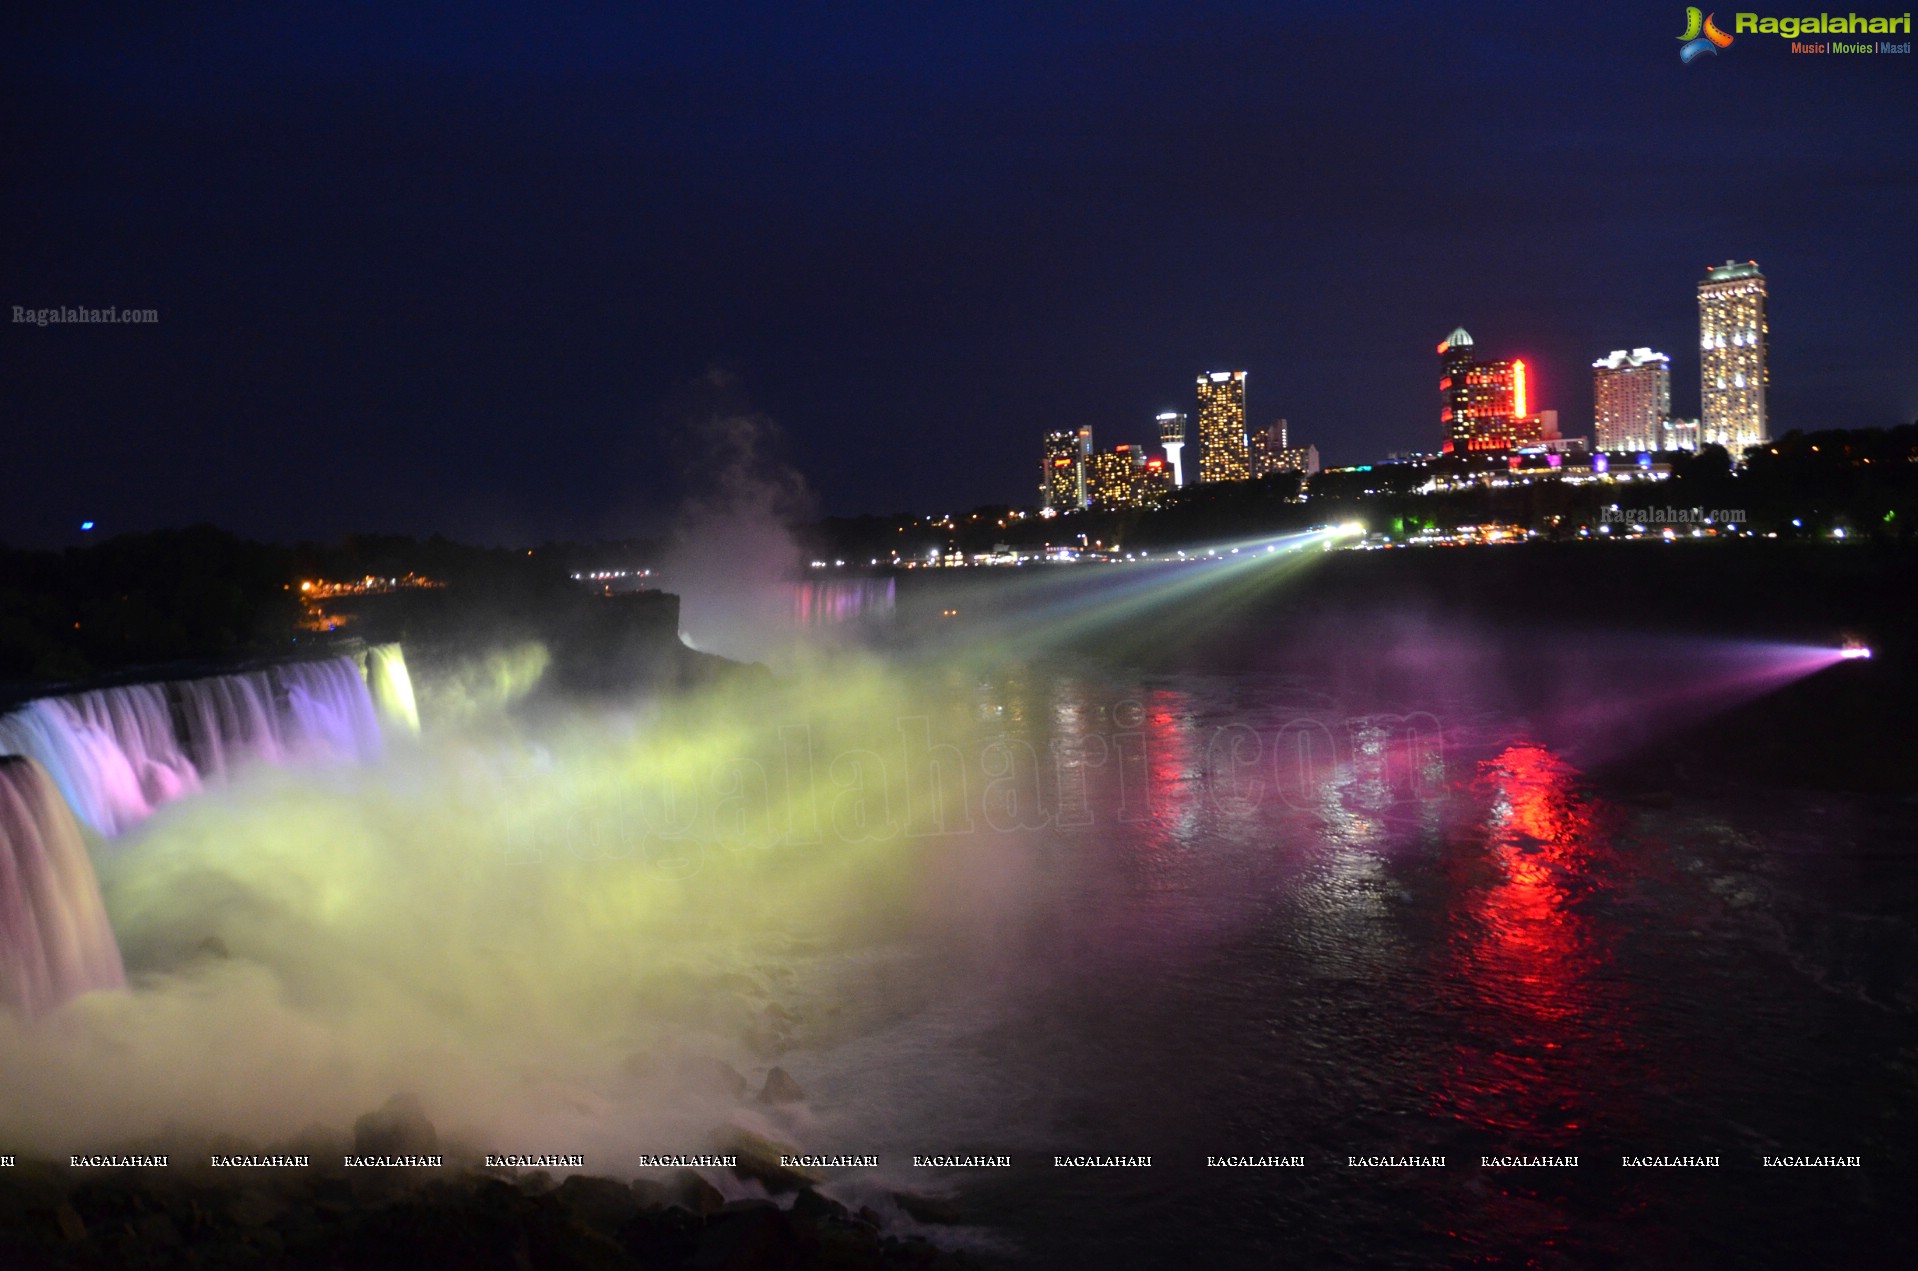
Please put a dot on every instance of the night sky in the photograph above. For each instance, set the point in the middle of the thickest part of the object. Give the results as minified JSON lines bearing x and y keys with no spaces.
{"x":455,"y":269}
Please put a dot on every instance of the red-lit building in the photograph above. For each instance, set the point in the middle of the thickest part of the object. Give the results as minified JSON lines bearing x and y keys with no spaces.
{"x":1484,"y":407}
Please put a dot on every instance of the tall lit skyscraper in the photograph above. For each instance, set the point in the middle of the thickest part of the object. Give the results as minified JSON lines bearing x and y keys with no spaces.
{"x":1734,"y":340}
{"x":1223,"y":455}
{"x":1063,"y":476}
{"x":1172,"y":437}
{"x":1483,"y":406}
{"x":1631,"y":397}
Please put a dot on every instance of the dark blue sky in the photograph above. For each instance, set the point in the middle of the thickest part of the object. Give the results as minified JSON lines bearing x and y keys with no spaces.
{"x":452,"y":268}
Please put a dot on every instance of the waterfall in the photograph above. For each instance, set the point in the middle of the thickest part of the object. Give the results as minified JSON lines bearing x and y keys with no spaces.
{"x":112,"y":752}
{"x":392,"y":687}
{"x":231,"y":719}
{"x":116,"y":754}
{"x":329,"y":710}
{"x":54,"y":939}
{"x":830,"y":602}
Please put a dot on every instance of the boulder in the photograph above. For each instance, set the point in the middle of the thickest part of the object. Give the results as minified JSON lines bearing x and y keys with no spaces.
{"x":747,"y":1236}
{"x":689,"y":1191}
{"x":780,"y":1088}
{"x":758,"y":1159}
{"x":398,"y":1129}
{"x":599,"y":1204}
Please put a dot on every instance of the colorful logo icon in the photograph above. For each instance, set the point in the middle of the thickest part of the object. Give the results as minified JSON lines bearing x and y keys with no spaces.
{"x":1701,"y":37}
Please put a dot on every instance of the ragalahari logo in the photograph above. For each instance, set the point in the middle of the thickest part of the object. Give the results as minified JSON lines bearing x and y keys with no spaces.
{"x":1699,"y":45}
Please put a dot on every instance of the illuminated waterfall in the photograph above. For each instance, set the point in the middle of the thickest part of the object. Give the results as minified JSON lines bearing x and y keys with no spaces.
{"x":54,"y":939}
{"x":392,"y":687}
{"x":229,"y":719}
{"x":329,"y":710}
{"x":830,"y":602}
{"x":112,"y":752}
{"x":117,"y":754}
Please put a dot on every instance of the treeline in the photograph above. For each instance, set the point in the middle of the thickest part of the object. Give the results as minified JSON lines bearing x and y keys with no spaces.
{"x":203,"y":594}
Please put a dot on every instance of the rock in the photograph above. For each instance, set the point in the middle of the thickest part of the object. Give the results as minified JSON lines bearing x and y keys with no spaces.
{"x":71,"y":1225}
{"x":157,"y":1231}
{"x":759,"y":1160}
{"x":931,"y":1210}
{"x":652,"y":1194}
{"x":690,"y":1191}
{"x":780,"y":1088}
{"x":811,"y":1207}
{"x":398,"y":1129}
{"x":706,"y":1075}
{"x":255,"y":1208}
{"x":747,"y":1236}
{"x":599,"y":1204}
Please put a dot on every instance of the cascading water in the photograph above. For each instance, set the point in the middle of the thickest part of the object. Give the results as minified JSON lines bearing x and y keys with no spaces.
{"x":329,"y":710}
{"x":230,"y":719}
{"x":835,"y":601}
{"x":117,"y":754}
{"x":112,"y":752}
{"x":54,"y":939}
{"x":392,"y":687}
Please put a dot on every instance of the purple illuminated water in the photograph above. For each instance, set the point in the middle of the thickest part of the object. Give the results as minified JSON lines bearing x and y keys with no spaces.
{"x":54,"y":939}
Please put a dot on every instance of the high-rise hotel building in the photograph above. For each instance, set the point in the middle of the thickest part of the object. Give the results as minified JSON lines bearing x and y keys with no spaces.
{"x":1631,"y":396}
{"x":1734,"y":339}
{"x":1223,"y":454}
{"x":1065,"y":475}
{"x":1483,"y":406}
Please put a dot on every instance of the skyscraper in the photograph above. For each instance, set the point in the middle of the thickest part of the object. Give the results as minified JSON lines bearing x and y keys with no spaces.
{"x":1223,"y":455}
{"x":1063,"y":474}
{"x":1734,"y":340}
{"x":1631,"y":397}
{"x":1172,"y":437}
{"x":1483,"y":406}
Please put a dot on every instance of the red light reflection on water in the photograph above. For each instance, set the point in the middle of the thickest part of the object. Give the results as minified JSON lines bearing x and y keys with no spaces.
{"x":1546,"y":1025}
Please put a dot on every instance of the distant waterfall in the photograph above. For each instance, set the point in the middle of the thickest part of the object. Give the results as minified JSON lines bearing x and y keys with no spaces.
{"x":54,"y":939}
{"x":829,"y":602}
{"x":116,"y":754}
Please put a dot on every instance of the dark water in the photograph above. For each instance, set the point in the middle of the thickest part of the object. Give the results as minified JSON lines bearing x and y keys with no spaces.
{"x":1301,"y":924}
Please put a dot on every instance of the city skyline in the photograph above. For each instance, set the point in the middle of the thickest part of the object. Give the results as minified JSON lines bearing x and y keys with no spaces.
{"x":484,"y":265}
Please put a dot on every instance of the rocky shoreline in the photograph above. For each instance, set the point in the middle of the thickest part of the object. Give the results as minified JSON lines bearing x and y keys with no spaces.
{"x":325,"y":1217}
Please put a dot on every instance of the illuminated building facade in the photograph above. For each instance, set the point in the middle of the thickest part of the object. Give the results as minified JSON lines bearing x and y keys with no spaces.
{"x":1631,"y":398}
{"x":1223,"y":452}
{"x":1734,"y":339}
{"x":1483,"y":406}
{"x":1272,"y":451}
{"x":1064,"y":472}
{"x":1172,"y":437}
{"x":1126,"y":477}
{"x":1156,"y":480}
{"x":1110,"y":483}
{"x":1677,"y":434}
